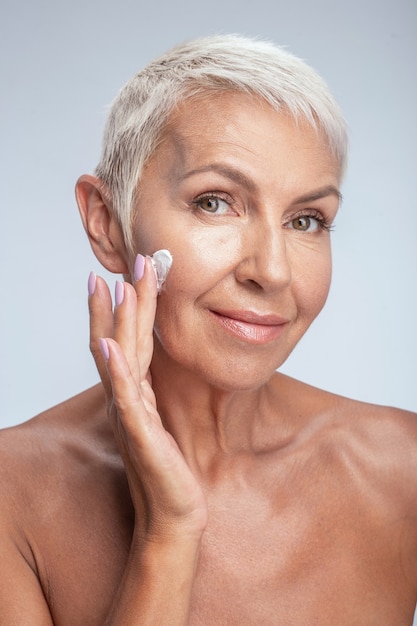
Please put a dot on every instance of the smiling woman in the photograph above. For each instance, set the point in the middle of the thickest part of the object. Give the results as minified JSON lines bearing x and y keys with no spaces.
{"x":194,"y":461}
{"x":248,"y":255}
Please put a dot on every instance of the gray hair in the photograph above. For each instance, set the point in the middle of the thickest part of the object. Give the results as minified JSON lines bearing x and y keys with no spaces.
{"x":142,"y":109}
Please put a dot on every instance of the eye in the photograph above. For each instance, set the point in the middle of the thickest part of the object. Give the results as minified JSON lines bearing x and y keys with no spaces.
{"x":304,"y":223}
{"x":213,"y":204}
{"x":308,"y":223}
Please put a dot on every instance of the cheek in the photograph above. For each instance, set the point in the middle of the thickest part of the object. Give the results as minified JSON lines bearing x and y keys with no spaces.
{"x":199,"y":266}
{"x":311,"y":286}
{"x":200,"y":261}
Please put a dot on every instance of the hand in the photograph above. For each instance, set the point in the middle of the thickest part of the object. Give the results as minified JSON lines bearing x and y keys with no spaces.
{"x":167,"y":497}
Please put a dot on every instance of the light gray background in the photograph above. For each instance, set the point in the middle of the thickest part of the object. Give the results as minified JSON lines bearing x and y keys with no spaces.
{"x":61,"y":64}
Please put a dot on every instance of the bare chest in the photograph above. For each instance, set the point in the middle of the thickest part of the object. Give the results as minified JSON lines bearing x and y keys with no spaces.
{"x":319,"y":561}
{"x":303,"y":556}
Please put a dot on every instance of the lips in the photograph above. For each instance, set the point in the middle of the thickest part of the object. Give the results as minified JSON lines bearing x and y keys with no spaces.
{"x":250,"y":326}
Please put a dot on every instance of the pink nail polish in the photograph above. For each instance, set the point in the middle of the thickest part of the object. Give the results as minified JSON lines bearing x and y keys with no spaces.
{"x":119,"y":292}
{"x":139,"y":267}
{"x":91,"y":283}
{"x":104,"y":348}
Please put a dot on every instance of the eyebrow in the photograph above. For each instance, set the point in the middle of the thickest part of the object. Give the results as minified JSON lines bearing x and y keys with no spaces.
{"x":238,"y":177}
{"x":226,"y":171}
{"x":323,"y":192}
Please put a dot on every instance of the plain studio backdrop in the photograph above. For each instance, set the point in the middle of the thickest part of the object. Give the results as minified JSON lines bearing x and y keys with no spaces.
{"x":62,"y":63}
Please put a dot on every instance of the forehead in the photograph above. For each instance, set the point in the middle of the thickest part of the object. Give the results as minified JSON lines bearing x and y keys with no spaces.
{"x":235,"y":126}
{"x":239,"y":132}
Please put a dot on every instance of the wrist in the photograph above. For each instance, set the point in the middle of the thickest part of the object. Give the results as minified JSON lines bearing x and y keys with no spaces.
{"x":168,"y":537}
{"x":173,"y":554}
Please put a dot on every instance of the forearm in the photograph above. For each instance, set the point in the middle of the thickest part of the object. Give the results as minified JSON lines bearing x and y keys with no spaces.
{"x":157,"y":584}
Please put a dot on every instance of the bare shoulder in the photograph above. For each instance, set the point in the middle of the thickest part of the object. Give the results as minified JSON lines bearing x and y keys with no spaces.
{"x":64,"y":508}
{"x":369,"y":449}
{"x":379,"y":442}
{"x":386,"y":439}
{"x":382,"y":439}
{"x":383,"y":422}
{"x":79,"y":420}
{"x":43,"y":456}
{"x":387,"y":435}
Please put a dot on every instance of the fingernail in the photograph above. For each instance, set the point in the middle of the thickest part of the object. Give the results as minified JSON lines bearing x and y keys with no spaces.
{"x":139,"y":267}
{"x":91,"y":283}
{"x":119,"y":292}
{"x":104,"y":348}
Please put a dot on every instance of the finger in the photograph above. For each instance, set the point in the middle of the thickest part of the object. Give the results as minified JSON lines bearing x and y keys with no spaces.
{"x":126,"y":391}
{"x":146,"y":442}
{"x":146,"y":294}
{"x":101,"y":323}
{"x":154,"y":463}
{"x":124,"y":325}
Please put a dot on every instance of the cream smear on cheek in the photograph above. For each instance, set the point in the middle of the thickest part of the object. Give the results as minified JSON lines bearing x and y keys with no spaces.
{"x":161,"y":262}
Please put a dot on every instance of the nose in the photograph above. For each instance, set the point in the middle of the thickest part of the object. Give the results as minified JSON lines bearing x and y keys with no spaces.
{"x":264,"y":257}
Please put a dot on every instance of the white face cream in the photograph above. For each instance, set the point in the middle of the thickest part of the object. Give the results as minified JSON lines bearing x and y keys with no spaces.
{"x":161,"y":261}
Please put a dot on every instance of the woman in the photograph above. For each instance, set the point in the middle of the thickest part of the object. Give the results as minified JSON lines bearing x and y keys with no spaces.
{"x":203,"y":487}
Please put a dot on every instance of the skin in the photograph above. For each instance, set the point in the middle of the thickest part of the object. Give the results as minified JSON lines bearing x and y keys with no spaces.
{"x":233,"y":494}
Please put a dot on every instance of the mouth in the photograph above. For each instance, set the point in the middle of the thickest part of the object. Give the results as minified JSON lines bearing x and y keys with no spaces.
{"x":254,"y":328}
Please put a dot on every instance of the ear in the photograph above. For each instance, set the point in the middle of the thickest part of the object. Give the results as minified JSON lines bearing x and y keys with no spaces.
{"x":100,"y":224}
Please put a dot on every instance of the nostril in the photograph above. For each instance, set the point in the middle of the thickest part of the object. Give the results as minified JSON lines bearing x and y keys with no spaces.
{"x":253,"y":284}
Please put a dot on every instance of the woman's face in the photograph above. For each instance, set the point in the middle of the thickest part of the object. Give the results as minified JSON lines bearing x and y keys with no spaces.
{"x":242,"y":197}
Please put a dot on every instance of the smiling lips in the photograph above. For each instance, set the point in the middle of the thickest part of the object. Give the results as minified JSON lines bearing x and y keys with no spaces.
{"x":250,"y":326}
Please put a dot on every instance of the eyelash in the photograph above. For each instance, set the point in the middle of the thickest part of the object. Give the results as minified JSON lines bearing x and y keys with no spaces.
{"x":323,"y":224}
{"x":212,"y":195}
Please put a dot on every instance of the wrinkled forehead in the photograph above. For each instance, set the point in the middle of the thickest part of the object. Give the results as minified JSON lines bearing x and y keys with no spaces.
{"x":233,"y":123}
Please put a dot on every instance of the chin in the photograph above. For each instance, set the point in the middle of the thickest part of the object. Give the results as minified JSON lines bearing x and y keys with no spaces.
{"x":227,"y":369}
{"x":245,"y":377}
{"x":236,"y":376}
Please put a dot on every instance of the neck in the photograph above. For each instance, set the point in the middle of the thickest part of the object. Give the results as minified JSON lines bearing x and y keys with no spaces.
{"x":210,"y":423}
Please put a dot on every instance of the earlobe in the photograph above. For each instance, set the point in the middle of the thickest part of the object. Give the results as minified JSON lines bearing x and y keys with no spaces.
{"x":100,"y":224}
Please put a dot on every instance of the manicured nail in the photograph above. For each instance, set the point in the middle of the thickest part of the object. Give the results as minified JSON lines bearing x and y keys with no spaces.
{"x":139,"y":267}
{"x":91,"y":283}
{"x":119,"y":292}
{"x":104,"y":348}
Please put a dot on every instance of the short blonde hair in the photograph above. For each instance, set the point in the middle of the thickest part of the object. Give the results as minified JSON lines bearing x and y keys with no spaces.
{"x":140,"y":112}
